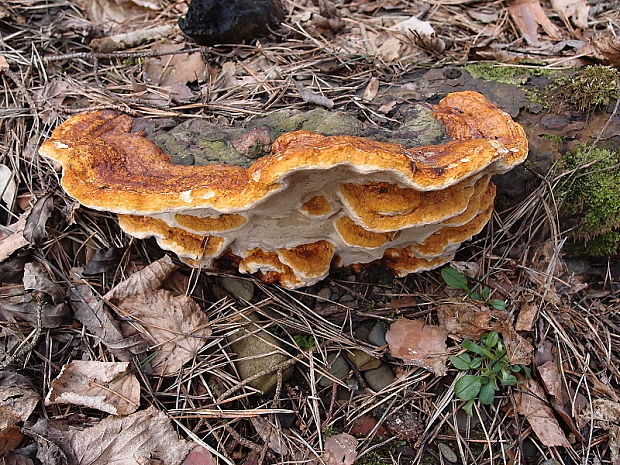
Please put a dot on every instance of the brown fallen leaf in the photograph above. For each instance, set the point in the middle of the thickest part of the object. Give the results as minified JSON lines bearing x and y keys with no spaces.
{"x":270,"y":435}
{"x":528,"y":15}
{"x":605,"y":48}
{"x":18,"y":399}
{"x":340,"y":450}
{"x":12,"y":237}
{"x":109,"y":14}
{"x":16,"y":459}
{"x":92,"y":313}
{"x":531,"y":403}
{"x":144,"y":437}
{"x":8,"y":186}
{"x":36,"y":279}
{"x":519,"y":350}
{"x":605,"y":414}
{"x":105,"y":386}
{"x":421,"y":33}
{"x":174,"y":325}
{"x":313,"y":98}
{"x":10,"y":438}
{"x":34,"y":229}
{"x":528,"y":314}
{"x":418,"y":343}
{"x":550,"y":376}
{"x":572,"y":11}
{"x":467,"y":319}
{"x":173,"y":72}
{"x":371,"y":90}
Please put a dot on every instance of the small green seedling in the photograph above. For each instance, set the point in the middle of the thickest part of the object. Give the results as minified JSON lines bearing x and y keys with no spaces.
{"x":457,"y":280}
{"x":488,"y":368}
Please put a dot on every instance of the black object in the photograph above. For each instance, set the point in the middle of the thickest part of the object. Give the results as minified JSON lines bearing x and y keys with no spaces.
{"x":211,"y":22}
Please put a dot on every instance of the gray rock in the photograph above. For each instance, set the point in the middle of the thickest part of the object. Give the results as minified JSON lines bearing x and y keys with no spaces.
{"x":238,"y":287}
{"x":447,"y":452}
{"x":379,"y":378}
{"x":339,"y":369}
{"x":376,"y":335}
{"x":363,"y":361}
{"x":256,"y":352}
{"x":324,"y":293}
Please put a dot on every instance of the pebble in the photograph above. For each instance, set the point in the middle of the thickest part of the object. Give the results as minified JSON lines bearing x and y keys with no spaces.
{"x":347,"y":298}
{"x":239,"y":287}
{"x":447,"y":452}
{"x":364,"y":361}
{"x":339,"y":369}
{"x":324,"y":293}
{"x":362,"y":332}
{"x":379,"y":378}
{"x":376,"y":335}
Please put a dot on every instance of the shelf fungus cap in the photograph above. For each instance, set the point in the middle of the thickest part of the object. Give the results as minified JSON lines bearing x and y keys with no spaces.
{"x":315,"y":202}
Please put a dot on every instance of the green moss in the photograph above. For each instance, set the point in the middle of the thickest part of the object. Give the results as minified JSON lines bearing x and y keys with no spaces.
{"x":589,"y":89}
{"x":554,"y":138}
{"x":592,"y":192}
{"x":514,"y":75}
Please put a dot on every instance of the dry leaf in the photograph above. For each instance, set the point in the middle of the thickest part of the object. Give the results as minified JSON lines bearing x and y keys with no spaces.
{"x":576,"y":10}
{"x":605,"y":414}
{"x":12,"y":237}
{"x":270,"y":435}
{"x":8,"y":187}
{"x":143,"y":437}
{"x":419,"y":344}
{"x":389,"y":50}
{"x":371,"y":89}
{"x":173,"y":324}
{"x":340,"y":450}
{"x":550,"y":376}
{"x":34,"y":229}
{"x":309,"y":96}
{"x":528,"y":314}
{"x":35,"y":279}
{"x":16,"y":459}
{"x":519,"y":350}
{"x":105,"y":386}
{"x":91,"y":312}
{"x":173,"y":72}
{"x":4,"y":65}
{"x":466,"y":319}
{"x":422,"y":33}
{"x":110,"y":13}
{"x":528,"y":15}
{"x":604,"y":48}
{"x":531,"y":404}
{"x":17,"y":399}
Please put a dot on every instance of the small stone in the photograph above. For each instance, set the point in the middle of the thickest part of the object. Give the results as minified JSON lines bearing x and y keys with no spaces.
{"x":324,"y":293}
{"x":256,"y":351}
{"x":238,"y":287}
{"x":347,"y":298}
{"x":447,"y":452}
{"x":339,"y":369}
{"x":363,"y":361}
{"x":404,"y":424}
{"x":334,"y":297}
{"x":363,"y":425}
{"x":361,"y":332}
{"x":379,"y":378}
{"x":376,"y":336}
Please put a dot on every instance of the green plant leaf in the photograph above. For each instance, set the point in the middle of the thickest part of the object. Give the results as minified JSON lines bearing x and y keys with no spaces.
{"x":468,"y":408}
{"x":454,"y":278}
{"x":476,"y":362}
{"x":527,"y":371}
{"x":487,"y":394}
{"x":461,"y":361}
{"x":498,"y":304}
{"x":509,"y":380}
{"x":485,"y":292}
{"x":475,"y":348}
{"x":515,"y":368}
{"x":475,"y":296}
{"x":467,"y":387}
{"x":491,"y":339}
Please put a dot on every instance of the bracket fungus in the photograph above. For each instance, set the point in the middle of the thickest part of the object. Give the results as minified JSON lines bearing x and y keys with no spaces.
{"x":315,"y":202}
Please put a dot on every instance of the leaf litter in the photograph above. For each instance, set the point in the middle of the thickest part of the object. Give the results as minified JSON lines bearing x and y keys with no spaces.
{"x":352,"y":61}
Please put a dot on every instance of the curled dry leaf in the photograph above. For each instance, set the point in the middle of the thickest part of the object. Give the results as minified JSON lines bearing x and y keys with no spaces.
{"x":467,"y":319}
{"x":519,"y":350}
{"x":108,"y":14}
{"x":271,"y":435}
{"x":421,"y":33}
{"x":418,"y":343}
{"x":36,"y":279}
{"x":173,"y":324}
{"x":371,"y":89}
{"x":575,"y":11}
{"x":340,"y":450}
{"x":17,"y":401}
{"x":605,"y":48}
{"x":528,"y":15}
{"x":146,"y":436}
{"x":105,"y":386}
{"x":312,"y":97}
{"x":531,"y":404}
{"x":8,"y":187}
{"x":91,"y":312}
{"x":12,"y":237}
